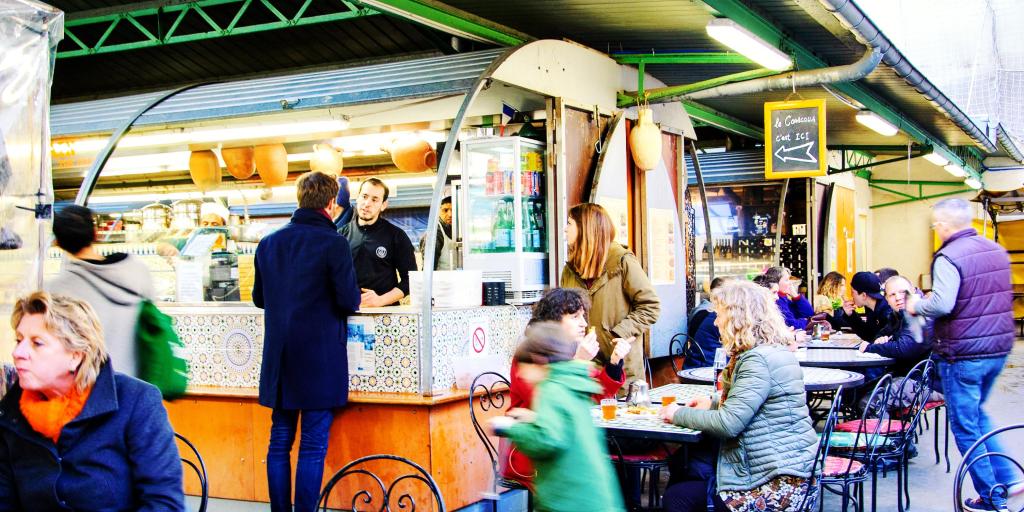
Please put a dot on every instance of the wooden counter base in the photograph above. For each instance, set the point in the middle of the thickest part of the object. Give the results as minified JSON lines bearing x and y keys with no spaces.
{"x":232,"y":432}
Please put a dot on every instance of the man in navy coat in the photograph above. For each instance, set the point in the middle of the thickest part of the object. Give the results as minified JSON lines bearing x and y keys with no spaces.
{"x":306,"y":283}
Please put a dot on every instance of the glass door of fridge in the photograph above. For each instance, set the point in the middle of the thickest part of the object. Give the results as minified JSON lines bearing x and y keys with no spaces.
{"x":490,"y":191}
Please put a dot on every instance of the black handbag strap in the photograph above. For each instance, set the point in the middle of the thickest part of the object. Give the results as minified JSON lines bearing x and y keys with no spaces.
{"x":102,"y":293}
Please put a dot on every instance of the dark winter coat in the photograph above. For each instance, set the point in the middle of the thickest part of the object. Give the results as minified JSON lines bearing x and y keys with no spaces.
{"x":306,"y":284}
{"x":118,"y":454}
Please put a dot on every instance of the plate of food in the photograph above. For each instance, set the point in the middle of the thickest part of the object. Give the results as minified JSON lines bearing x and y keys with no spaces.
{"x":642,"y":410}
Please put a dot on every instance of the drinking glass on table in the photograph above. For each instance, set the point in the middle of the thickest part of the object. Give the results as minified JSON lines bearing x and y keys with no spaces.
{"x":609,"y":407}
{"x":721,"y":359}
{"x":667,"y":399}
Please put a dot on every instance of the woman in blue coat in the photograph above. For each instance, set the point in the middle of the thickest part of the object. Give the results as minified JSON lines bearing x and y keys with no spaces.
{"x":75,"y":435}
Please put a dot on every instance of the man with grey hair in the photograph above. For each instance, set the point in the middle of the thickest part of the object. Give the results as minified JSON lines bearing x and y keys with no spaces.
{"x":971,"y":302}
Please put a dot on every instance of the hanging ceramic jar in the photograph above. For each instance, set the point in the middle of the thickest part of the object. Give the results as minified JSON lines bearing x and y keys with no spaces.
{"x":272,"y":164}
{"x":645,"y":140}
{"x":412,"y":154}
{"x":204,"y":169}
{"x":240,"y":162}
{"x":326,"y":159}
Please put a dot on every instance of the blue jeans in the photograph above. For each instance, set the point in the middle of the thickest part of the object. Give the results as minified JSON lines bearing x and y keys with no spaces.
{"x":309,"y":473}
{"x":967,"y":384}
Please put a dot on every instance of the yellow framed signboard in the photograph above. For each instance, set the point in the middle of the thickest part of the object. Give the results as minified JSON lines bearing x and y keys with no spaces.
{"x":794,"y":139}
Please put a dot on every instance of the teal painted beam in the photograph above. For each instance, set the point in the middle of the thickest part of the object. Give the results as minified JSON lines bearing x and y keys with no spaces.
{"x":723,"y":121}
{"x":141,"y":26}
{"x":446,"y":18}
{"x":806,"y":59}
{"x":681,"y":58}
{"x":923,"y":198}
{"x":673,"y":93}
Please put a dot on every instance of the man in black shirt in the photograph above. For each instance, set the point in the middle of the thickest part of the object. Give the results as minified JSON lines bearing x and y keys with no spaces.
{"x":867,"y":293}
{"x":382,"y":252}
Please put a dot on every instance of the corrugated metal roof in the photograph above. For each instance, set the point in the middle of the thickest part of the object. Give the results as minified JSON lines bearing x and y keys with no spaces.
{"x":382,"y":82}
{"x":727,"y":167}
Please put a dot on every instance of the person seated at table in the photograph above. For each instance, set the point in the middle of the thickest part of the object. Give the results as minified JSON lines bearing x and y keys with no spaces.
{"x":574,"y":471}
{"x":867,"y":294}
{"x":898,"y":340}
{"x":75,"y":435}
{"x":696,"y":316}
{"x":831,"y":298}
{"x":796,"y":310}
{"x":885,"y":273}
{"x":767,"y":441}
{"x":705,"y":336}
{"x":568,"y":307}
{"x":8,"y":376}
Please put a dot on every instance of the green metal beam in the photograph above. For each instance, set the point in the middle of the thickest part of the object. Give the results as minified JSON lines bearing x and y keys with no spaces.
{"x":722,"y":120}
{"x":920,"y":182}
{"x":143,"y":25}
{"x":668,"y":94}
{"x":923,"y":198}
{"x":681,"y":58}
{"x":446,"y":18}
{"x":737,"y":11}
{"x":893,"y":192}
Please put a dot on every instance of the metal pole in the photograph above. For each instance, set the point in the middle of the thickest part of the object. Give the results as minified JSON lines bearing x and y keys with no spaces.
{"x":778,"y":223}
{"x":704,"y":205}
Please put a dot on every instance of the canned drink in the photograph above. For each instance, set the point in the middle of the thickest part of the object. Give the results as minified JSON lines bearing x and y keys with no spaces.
{"x":507,"y":183}
{"x":489,"y":183}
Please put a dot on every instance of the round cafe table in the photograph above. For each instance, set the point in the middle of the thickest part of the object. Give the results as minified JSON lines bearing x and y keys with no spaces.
{"x":815,"y":379}
{"x":841,"y":359}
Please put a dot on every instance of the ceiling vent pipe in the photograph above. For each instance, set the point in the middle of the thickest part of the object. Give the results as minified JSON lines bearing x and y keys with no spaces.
{"x":867,"y":33}
{"x":811,"y":77}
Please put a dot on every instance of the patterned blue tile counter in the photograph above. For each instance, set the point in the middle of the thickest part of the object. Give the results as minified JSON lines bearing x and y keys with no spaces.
{"x":224,"y":344}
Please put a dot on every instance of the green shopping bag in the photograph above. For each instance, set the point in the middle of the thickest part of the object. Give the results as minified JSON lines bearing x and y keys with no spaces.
{"x":160,"y":352}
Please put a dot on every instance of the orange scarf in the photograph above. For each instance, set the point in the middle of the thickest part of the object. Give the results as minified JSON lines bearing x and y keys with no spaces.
{"x":48,"y":417}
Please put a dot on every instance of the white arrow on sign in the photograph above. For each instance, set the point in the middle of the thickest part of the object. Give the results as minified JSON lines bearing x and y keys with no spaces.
{"x":783,"y":151}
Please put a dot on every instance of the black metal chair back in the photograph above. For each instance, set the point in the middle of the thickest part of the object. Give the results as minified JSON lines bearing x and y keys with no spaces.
{"x":821,"y":455}
{"x":683,"y":346}
{"x":389,"y":496}
{"x":970,"y":459}
{"x":911,"y":396}
{"x":876,"y":420}
{"x":199,"y":467}
{"x":489,"y":391}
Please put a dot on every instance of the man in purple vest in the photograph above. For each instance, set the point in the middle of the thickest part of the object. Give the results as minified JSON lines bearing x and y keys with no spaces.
{"x":971,"y":302}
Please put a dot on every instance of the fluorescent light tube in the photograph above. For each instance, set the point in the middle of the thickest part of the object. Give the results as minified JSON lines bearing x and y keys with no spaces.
{"x":744,"y":42}
{"x":955,"y":170}
{"x":973,"y":182}
{"x":876,"y":123}
{"x":936,"y":159}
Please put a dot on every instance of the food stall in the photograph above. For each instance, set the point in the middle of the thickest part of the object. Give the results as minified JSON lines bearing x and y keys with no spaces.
{"x":241,"y":145}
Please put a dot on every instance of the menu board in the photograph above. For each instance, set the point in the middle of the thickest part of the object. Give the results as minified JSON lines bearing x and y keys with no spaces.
{"x":794,"y":141}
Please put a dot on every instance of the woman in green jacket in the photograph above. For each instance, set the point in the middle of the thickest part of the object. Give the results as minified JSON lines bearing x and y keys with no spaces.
{"x":767,"y":440}
{"x":573,"y":470}
{"x":623,"y":301}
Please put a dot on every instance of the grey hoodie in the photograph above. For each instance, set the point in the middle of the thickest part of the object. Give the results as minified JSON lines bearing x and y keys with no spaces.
{"x":95,"y":283}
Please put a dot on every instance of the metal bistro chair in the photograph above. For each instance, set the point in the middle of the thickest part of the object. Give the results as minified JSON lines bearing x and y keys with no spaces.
{"x":969,"y":460}
{"x":860,"y":441}
{"x":494,"y":390}
{"x":683,"y":346}
{"x":821,"y":467}
{"x":200,"y":468}
{"x":936,"y":406}
{"x":908,"y":404}
{"x":380,"y":493}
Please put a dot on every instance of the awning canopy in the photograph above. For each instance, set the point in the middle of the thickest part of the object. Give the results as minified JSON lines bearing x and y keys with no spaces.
{"x":435,"y":76}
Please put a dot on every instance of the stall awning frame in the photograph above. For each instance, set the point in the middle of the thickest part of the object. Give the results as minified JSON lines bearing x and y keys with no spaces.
{"x":433,"y":76}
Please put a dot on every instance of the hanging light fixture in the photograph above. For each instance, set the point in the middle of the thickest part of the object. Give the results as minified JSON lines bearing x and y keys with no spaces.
{"x":936,"y":159}
{"x":973,"y":182}
{"x":955,"y":170}
{"x":876,"y":123}
{"x":744,"y":42}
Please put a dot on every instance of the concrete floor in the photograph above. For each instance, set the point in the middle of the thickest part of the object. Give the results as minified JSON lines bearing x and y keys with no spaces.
{"x":931,"y":488}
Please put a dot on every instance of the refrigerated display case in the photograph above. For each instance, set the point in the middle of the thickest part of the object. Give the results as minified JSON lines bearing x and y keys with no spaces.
{"x":505,"y":214}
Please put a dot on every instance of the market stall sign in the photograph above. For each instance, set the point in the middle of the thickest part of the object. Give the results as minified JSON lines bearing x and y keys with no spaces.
{"x":794,"y":139}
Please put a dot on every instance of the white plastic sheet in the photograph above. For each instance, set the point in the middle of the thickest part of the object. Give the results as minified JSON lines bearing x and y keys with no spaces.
{"x":29,"y":33}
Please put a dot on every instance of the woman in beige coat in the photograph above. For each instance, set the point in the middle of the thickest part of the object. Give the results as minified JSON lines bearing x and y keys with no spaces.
{"x":624,"y":303}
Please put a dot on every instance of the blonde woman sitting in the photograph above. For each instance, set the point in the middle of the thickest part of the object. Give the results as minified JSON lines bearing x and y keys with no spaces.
{"x":75,"y":435}
{"x":767,"y":441}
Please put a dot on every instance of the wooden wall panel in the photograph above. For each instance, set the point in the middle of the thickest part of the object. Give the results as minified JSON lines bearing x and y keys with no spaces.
{"x":581,"y":133}
{"x":458,"y":457}
{"x":221,"y":429}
